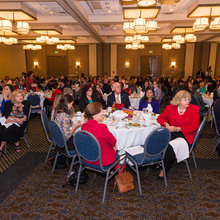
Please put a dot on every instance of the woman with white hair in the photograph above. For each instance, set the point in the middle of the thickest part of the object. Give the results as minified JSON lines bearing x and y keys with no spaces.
{"x":182,"y":119}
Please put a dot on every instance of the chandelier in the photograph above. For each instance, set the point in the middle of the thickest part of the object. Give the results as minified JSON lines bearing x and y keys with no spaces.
{"x":5,"y":26}
{"x":65,"y":47}
{"x":23,"y":27}
{"x":139,"y":25}
{"x":32,"y":47}
{"x":47,"y":40}
{"x":202,"y":23}
{"x":167,"y":46}
{"x":8,"y":41}
{"x":179,"y":39}
{"x":134,"y":46}
{"x":175,"y":46}
{"x":136,"y":39}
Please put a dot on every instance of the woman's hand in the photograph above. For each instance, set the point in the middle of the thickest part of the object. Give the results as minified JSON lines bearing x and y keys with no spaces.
{"x":115,"y":147}
{"x":19,"y":121}
{"x":10,"y":120}
{"x":78,"y":124}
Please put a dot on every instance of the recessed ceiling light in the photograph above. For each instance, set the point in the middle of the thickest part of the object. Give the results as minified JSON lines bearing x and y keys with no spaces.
{"x":114,"y":28}
{"x":51,"y":12}
{"x":171,"y":9}
{"x":109,"y":11}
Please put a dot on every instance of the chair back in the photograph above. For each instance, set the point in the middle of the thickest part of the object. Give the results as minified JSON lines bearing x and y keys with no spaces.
{"x":175,"y":90}
{"x":166,"y":91}
{"x":156,"y":143}
{"x":162,"y":99}
{"x":34,"y":99}
{"x":87,"y":147}
{"x":57,"y":135}
{"x":194,"y":100}
{"x":44,"y":120}
{"x":198,"y":133}
{"x":215,"y":122}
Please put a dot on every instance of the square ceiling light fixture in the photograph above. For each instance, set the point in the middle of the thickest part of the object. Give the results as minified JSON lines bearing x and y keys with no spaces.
{"x":181,"y":30}
{"x":166,"y":40}
{"x":47,"y":32}
{"x":204,"y":9}
{"x":11,"y":33}
{"x":147,"y":13}
{"x":16,"y":11}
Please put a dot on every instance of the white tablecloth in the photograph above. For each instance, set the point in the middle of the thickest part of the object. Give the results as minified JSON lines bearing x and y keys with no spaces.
{"x":134,"y":102}
{"x":132,"y":136}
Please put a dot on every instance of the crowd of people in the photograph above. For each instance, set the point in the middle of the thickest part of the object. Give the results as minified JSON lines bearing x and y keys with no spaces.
{"x":180,"y":117}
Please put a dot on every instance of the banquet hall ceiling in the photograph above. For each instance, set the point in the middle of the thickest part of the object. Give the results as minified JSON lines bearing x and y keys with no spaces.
{"x":101,"y":21}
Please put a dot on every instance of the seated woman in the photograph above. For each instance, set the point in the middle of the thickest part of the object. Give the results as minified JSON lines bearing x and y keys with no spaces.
{"x":182,"y":119}
{"x":62,"y":117}
{"x":15,"y":111}
{"x":132,"y":85}
{"x":86,"y":97}
{"x":97,"y":96}
{"x":55,"y":103}
{"x":94,"y":115}
{"x":146,"y":86}
{"x":8,"y":89}
{"x":149,"y":99}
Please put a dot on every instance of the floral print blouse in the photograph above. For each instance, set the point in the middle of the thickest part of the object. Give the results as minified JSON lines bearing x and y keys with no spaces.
{"x":65,"y":122}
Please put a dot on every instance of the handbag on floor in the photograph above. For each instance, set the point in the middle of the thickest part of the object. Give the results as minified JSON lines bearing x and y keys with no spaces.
{"x":124,"y":182}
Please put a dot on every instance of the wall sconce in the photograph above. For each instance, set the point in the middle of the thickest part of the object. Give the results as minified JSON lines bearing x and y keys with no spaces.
{"x":36,"y":64}
{"x":173,"y":64}
{"x":78,"y":66}
{"x":127,"y":64}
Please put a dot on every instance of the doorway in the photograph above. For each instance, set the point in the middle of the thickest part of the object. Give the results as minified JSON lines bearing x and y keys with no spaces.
{"x":150,"y":64}
{"x":57,"y":66}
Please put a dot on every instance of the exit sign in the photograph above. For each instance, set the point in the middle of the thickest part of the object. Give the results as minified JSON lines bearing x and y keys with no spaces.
{"x":56,"y":51}
{"x":150,"y":51}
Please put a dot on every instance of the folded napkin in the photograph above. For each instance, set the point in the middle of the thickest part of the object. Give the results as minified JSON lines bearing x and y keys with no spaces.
{"x":180,"y":148}
{"x":135,"y":150}
{"x":3,"y":120}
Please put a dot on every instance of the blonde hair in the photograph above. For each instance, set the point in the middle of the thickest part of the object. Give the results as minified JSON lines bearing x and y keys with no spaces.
{"x":14,"y":94}
{"x":57,"y":99}
{"x":179,"y":95}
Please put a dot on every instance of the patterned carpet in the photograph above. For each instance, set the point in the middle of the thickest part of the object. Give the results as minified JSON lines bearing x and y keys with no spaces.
{"x":40,"y":196}
{"x":38,"y":143}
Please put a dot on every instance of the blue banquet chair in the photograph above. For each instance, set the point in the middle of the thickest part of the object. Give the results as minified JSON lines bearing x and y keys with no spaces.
{"x":45,"y":122}
{"x":60,"y":141}
{"x":217,"y":137}
{"x":34,"y":100}
{"x":153,"y":153}
{"x":88,"y":149}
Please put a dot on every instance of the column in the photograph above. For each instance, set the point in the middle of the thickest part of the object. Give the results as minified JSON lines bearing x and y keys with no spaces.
{"x":189,"y":59}
{"x":113,"y":60}
{"x":92,"y":60}
{"x":212,"y":57}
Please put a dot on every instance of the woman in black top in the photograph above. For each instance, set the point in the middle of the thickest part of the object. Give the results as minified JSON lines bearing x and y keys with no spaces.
{"x":15,"y":111}
{"x":86,"y":97}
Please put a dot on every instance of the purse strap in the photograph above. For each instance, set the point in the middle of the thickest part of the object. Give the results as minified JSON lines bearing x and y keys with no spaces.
{"x":120,"y":197}
{"x":115,"y":184}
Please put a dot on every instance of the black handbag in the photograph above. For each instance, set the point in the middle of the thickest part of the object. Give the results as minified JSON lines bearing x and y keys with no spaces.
{"x":73,"y":178}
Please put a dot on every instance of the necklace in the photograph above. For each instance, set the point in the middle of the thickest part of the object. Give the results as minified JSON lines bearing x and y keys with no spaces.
{"x":180,"y":112}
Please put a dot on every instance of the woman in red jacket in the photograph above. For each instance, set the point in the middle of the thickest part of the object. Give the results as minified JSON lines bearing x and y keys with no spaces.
{"x":182,"y":119}
{"x":94,"y":115}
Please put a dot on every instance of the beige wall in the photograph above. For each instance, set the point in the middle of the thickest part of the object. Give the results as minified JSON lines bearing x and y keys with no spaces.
{"x":105,"y":58}
{"x":212,"y":57}
{"x":134,"y":56}
{"x":40,"y":57}
{"x":12,"y":61}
